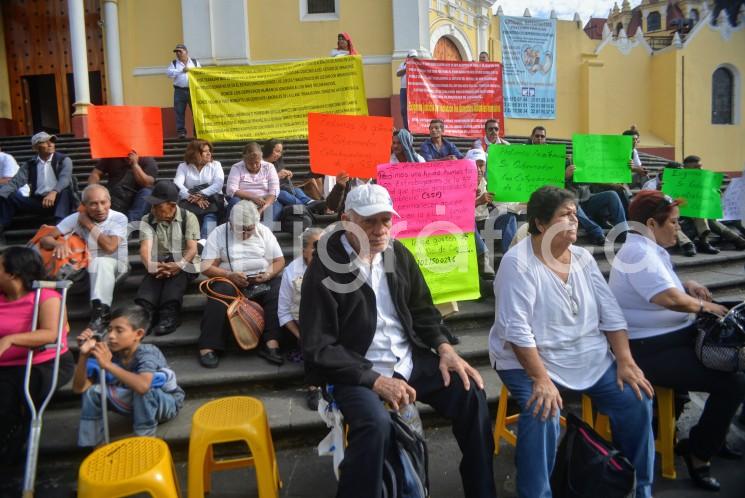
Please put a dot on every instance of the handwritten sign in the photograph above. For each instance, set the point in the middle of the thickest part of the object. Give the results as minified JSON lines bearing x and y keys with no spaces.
{"x":354,"y":144}
{"x":699,"y":188}
{"x":602,"y":158}
{"x":114,"y":131}
{"x":515,"y":172}
{"x":437,"y":196}
{"x":733,"y":200}
{"x":448,"y":263}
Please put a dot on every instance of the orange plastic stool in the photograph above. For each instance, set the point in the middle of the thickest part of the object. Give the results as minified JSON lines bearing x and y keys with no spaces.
{"x":127,"y":467}
{"x":665,"y":442}
{"x":501,"y":431}
{"x":225,"y":420}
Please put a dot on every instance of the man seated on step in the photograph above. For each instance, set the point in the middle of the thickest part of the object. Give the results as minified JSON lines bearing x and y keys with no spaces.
{"x":130,"y":182}
{"x":105,"y":233}
{"x":369,"y":328}
{"x":168,"y":249}
{"x":436,"y":148}
{"x":51,"y":190}
{"x":491,"y":136}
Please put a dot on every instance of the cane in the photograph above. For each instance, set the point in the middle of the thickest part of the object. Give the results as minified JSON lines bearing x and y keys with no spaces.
{"x":32,"y":454}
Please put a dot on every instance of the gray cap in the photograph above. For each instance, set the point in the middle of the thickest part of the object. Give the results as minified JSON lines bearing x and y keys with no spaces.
{"x":180,"y":46}
{"x":41,"y":137}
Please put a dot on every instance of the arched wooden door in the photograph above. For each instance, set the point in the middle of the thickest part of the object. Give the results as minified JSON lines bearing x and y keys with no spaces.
{"x":446,"y":50}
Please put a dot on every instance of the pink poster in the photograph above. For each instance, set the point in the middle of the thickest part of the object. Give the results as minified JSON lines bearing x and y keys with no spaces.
{"x":432,"y":198}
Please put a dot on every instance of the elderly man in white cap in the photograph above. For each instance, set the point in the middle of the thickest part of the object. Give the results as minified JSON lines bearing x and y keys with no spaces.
{"x":370,"y":329}
{"x":51,"y":188}
{"x":401,"y":73}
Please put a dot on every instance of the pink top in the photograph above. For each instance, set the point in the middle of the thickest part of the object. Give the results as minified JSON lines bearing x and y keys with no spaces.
{"x":16,"y":317}
{"x":264,"y":182}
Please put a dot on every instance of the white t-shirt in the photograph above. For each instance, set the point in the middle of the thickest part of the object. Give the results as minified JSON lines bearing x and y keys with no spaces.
{"x":288,"y":305}
{"x":9,"y":168}
{"x":534,"y":308}
{"x":635,"y":287}
{"x":651,"y":184}
{"x":114,"y":224}
{"x":253,"y":255}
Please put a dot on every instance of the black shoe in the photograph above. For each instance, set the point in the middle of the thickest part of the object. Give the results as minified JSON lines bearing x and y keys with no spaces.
{"x":312,"y":397}
{"x":739,"y":243}
{"x":729,"y":453}
{"x":169,"y":320}
{"x":3,"y":241}
{"x":700,"y":476}
{"x":209,"y":360}
{"x":182,"y":135}
{"x":271,"y":355}
{"x":100,"y":317}
{"x":688,"y":249}
{"x":706,"y":248}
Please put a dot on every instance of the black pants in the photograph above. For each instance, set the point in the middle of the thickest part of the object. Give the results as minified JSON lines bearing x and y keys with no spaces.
{"x":216,"y":329}
{"x":13,"y":410}
{"x":16,"y":203}
{"x":161,"y":291}
{"x":669,"y":360}
{"x":370,"y":431}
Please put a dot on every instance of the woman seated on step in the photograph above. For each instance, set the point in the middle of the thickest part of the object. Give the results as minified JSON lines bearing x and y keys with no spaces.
{"x":255,"y":180}
{"x":247,"y":253}
{"x":558,"y":326}
{"x":19,"y":267}
{"x":660,"y":311}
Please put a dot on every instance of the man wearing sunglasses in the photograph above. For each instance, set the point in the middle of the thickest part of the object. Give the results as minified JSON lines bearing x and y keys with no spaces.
{"x":177,"y":71}
{"x":491,"y":136}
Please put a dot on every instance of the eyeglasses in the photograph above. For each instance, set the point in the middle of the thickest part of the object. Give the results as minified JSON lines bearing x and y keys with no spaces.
{"x":492,"y":128}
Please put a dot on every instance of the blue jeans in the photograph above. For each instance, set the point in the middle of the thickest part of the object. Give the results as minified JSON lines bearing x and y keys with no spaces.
{"x":537,"y":441}
{"x":297,"y":197}
{"x":592,"y":228}
{"x":404,"y":111}
{"x":605,"y":206}
{"x":505,"y":228}
{"x":181,"y":98}
{"x":139,"y":205}
{"x":148,"y":410}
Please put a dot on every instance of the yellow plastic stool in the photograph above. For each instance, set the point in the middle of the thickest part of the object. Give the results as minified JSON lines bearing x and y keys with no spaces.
{"x":129,"y":466}
{"x":665,"y":442}
{"x":225,"y":420}
{"x":501,"y":431}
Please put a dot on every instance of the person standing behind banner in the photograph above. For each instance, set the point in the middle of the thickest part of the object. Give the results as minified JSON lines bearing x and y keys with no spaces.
{"x":484,"y":57}
{"x":436,"y":148}
{"x":177,"y":71}
{"x":344,"y":46}
{"x":401,"y":73}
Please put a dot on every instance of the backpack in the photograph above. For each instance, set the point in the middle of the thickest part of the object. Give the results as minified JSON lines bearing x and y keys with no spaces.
{"x":406,"y":468}
{"x":295,"y":213}
{"x":71,"y":268}
{"x":193,"y":61}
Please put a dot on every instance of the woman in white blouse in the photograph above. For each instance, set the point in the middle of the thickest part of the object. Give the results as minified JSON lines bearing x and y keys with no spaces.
{"x":255,"y":180}
{"x":660,"y":311}
{"x":200,"y":181}
{"x":558,"y":326}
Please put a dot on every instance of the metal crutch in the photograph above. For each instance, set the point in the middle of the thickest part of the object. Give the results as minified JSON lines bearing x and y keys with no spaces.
{"x":34,"y":436}
{"x":104,"y":407}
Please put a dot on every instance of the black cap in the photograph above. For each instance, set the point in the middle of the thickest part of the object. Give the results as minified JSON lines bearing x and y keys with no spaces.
{"x":164,"y":191}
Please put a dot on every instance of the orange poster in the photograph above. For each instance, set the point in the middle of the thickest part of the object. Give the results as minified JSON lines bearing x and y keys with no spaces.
{"x":354,"y":144}
{"x":114,"y":131}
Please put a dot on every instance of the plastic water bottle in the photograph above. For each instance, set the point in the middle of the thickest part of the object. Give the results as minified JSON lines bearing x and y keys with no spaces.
{"x":410,"y":415}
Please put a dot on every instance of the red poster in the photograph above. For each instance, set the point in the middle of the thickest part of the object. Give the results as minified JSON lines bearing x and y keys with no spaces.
{"x":114,"y":131}
{"x":353,"y":144}
{"x":462,"y":94}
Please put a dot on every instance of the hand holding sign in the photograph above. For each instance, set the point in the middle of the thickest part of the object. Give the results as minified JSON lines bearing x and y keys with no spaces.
{"x":351,"y":144}
{"x":602,"y":158}
{"x":115,"y":131}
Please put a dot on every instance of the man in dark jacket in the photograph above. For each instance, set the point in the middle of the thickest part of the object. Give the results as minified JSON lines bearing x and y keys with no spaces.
{"x":370,"y":328}
{"x":51,"y":187}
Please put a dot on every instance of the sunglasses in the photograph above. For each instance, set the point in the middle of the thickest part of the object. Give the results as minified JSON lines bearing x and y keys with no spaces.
{"x":492,"y":128}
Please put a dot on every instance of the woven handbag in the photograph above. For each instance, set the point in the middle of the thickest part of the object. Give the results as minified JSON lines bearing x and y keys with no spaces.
{"x":246,"y":317}
{"x":720,"y":342}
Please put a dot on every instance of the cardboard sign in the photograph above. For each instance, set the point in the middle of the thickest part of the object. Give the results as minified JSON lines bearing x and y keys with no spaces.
{"x":514,"y":172}
{"x":428,"y":195}
{"x":733,"y":200}
{"x":699,"y":188}
{"x":114,"y":131}
{"x":353,"y":144}
{"x":602,"y":158}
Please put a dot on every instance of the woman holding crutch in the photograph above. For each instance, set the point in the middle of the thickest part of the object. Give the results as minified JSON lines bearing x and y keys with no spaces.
{"x":19,"y":268}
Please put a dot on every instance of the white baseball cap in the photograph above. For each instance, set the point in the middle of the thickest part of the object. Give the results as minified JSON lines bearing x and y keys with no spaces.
{"x":412,"y":53}
{"x":476,"y":155}
{"x":369,"y":199}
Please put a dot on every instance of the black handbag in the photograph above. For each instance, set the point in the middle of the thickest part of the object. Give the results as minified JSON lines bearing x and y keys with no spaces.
{"x":587,"y":466}
{"x":253,"y":291}
{"x":217,"y":202}
{"x":720,"y":342}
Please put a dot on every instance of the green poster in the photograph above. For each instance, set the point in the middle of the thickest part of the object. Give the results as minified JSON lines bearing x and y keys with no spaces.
{"x":515,"y":172}
{"x":448,"y":263}
{"x":601,"y":158}
{"x":699,"y":188}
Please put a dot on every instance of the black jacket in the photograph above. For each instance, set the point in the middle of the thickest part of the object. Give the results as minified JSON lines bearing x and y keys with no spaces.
{"x":337,"y":328}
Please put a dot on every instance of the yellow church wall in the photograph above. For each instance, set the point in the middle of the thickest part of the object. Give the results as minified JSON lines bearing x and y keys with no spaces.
{"x":6,"y":110}
{"x":721,"y":147}
{"x":148,"y":31}
{"x":664,"y":96}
